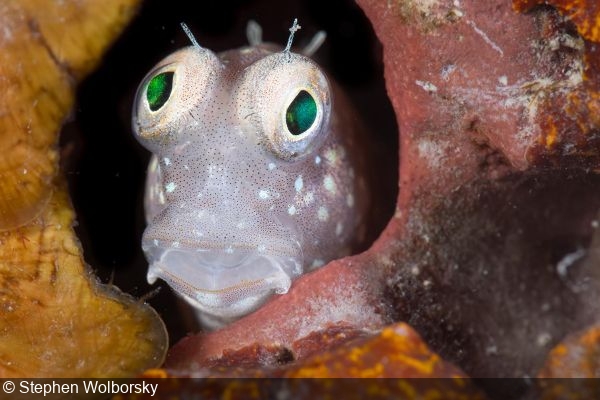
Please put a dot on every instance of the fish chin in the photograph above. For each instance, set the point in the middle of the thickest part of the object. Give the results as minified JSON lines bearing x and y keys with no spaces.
{"x":224,"y":285}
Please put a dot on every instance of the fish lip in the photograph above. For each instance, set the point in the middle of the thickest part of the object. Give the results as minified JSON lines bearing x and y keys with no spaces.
{"x":227,"y":284}
{"x":291,"y":250}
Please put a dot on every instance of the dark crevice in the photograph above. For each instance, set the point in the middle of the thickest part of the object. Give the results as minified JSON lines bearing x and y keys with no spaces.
{"x":498,"y":298}
{"x":285,"y":356}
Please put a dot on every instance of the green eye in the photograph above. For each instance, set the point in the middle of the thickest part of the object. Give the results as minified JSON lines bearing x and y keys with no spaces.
{"x":301,"y":113}
{"x":159,"y":90}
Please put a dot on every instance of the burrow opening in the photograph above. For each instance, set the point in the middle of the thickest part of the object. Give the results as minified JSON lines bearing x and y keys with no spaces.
{"x":106,"y":167}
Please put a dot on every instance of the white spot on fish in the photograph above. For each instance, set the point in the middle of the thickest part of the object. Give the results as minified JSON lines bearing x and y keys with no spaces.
{"x":197,"y":233}
{"x":350,"y":200}
{"x":331,"y":156}
{"x":323,"y":214}
{"x":271,"y":166}
{"x":299,"y":183}
{"x":167,"y":161}
{"x":170,"y":187}
{"x":339,"y":228}
{"x":317,"y":160}
{"x":263,"y":194}
{"x":175,"y":245}
{"x":317,"y":263}
{"x":186,"y":167}
{"x":229,"y":250}
{"x":292,"y":210}
{"x":309,"y":198}
{"x":503,"y":80}
{"x":329,"y":184}
{"x":261,"y":248}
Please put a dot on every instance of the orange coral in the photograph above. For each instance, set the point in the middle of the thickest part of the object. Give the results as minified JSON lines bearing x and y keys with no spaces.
{"x":45,"y":48}
{"x":396,"y":352}
{"x":585,"y":14}
{"x":56,"y":319}
{"x":575,"y":357}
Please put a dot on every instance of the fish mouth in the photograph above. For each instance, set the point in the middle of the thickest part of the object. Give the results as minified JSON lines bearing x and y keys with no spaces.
{"x":225,"y":283}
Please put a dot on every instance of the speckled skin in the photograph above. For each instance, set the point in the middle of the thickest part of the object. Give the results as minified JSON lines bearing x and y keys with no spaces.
{"x":237,"y":206}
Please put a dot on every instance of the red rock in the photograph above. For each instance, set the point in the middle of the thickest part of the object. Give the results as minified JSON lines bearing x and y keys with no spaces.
{"x":498,"y":131}
{"x":338,"y":293}
{"x":395,"y":352}
{"x":569,"y":113}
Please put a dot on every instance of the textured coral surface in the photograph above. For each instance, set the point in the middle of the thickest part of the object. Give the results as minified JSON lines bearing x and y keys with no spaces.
{"x":488,"y":255}
{"x":56,"y":319}
{"x":40,"y":62}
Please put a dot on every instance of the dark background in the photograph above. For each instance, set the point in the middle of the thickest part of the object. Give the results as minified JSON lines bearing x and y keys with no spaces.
{"x":104,"y":164}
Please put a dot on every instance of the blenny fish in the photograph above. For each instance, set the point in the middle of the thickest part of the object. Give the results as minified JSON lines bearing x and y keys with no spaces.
{"x":255,"y":176}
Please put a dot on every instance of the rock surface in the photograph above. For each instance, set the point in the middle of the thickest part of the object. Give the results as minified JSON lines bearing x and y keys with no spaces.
{"x":395,"y":352}
{"x":497,"y":106}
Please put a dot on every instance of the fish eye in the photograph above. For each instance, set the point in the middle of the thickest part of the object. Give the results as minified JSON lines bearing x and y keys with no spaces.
{"x":184,"y":81}
{"x":301,"y":114}
{"x":285,"y":99}
{"x":159,"y":90}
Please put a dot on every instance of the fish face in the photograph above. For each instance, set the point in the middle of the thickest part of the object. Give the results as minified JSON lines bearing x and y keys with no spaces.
{"x":251,"y":183}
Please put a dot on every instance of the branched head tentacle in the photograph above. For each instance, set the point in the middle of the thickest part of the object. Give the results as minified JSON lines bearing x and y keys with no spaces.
{"x":295,"y":27}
